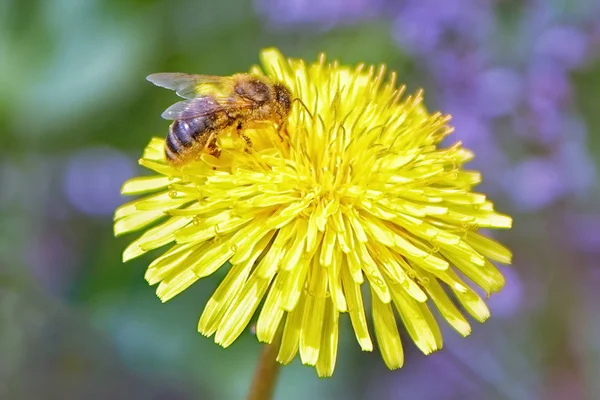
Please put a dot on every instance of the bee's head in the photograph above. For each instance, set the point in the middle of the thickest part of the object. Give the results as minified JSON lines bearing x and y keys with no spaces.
{"x":283,"y":98}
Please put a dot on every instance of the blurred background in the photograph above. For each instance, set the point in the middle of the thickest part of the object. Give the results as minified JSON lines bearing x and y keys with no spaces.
{"x":521,"y":79}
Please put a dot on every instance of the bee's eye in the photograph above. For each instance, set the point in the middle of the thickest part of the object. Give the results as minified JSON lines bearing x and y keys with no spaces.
{"x":240,"y":90}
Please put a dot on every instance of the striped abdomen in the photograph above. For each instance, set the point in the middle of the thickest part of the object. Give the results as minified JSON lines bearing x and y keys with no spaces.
{"x":187,"y":136}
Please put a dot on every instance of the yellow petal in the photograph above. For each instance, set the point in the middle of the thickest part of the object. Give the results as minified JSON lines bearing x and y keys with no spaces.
{"x":419,"y":321}
{"x":145,"y":184}
{"x":329,"y":341}
{"x":155,"y":149}
{"x":271,"y":314}
{"x":387,"y":334}
{"x":357,"y":311}
{"x":170,"y":288}
{"x":294,"y":285}
{"x":215,"y":255}
{"x":155,"y":237}
{"x":447,"y":307}
{"x":239,"y":313}
{"x":394,"y":265}
{"x":136,"y":221}
{"x":335,"y":281}
{"x":487,"y":276}
{"x":312,"y":321}
{"x":291,"y":333}
{"x":269,"y":265}
{"x":222,"y":297}
{"x":473,"y":304}
{"x":489,"y":247}
{"x":275,"y":63}
{"x":372,"y":272}
{"x":173,"y":261}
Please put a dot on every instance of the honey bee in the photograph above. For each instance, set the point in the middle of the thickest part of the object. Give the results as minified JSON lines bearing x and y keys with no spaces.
{"x":215,"y":103}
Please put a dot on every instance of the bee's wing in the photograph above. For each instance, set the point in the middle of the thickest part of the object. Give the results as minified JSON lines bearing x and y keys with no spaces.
{"x":192,"y":108}
{"x":201,"y":106}
{"x":190,"y":86}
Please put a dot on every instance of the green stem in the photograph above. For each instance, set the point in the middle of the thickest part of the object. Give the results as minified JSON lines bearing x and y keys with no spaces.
{"x":266,"y":373}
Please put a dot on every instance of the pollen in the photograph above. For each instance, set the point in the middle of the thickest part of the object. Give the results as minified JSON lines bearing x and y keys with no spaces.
{"x":352,"y":201}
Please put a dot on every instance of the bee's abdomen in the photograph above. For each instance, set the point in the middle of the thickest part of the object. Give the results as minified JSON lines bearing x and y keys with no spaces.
{"x":183,"y":134}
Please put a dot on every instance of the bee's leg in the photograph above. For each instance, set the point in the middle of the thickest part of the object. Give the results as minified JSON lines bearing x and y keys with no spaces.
{"x":212,"y":147}
{"x":246,"y":138}
{"x":282,"y":132}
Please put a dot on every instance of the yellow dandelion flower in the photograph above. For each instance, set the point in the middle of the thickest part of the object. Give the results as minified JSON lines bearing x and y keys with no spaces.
{"x":357,"y":195}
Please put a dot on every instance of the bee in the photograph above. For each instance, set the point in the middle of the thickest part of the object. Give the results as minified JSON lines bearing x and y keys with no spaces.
{"x":215,"y":103}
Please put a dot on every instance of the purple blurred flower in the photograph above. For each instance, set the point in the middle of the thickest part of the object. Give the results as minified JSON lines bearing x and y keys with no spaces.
{"x":575,"y":159}
{"x":584,"y":233}
{"x":548,"y":86}
{"x":508,"y":301}
{"x":93,"y":178}
{"x":564,"y":45}
{"x":567,"y":171}
{"x":417,"y":382}
{"x":326,"y":12}
{"x":469,"y":129}
{"x":548,"y":95}
{"x":417,"y":30}
{"x":535,"y":183}
{"x":499,"y":91}
{"x":454,"y":71}
{"x":423,"y":25}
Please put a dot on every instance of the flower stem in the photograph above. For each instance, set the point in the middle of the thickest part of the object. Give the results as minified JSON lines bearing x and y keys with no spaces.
{"x":266,"y":373}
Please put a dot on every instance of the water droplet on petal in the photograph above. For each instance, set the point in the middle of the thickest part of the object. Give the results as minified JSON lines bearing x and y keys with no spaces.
{"x":377,"y":281}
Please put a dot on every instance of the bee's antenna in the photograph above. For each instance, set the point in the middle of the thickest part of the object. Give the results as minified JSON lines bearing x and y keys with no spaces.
{"x":305,"y":107}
